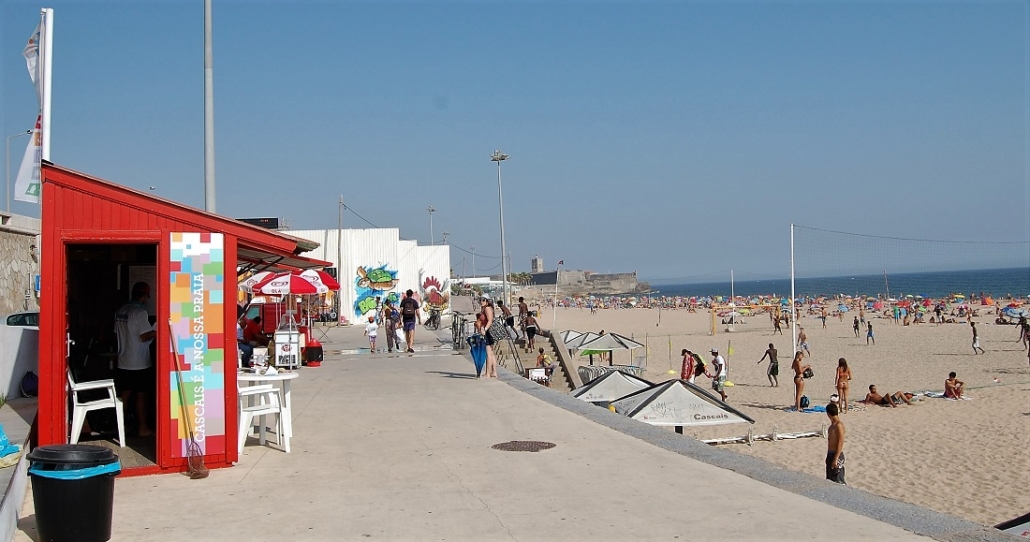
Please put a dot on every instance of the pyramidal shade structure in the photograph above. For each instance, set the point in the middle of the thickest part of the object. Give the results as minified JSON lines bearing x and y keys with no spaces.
{"x":610,"y":386}
{"x":678,"y":402}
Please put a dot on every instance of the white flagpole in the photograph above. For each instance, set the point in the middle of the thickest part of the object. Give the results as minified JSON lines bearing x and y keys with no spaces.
{"x":46,"y":49}
{"x":209,"y":113}
{"x":793,"y":312}
{"x":554,"y":305}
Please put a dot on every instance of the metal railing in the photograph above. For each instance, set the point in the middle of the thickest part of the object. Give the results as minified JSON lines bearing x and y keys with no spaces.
{"x":500,"y":351}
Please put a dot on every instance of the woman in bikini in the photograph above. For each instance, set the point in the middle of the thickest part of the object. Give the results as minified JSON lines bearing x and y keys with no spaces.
{"x":491,"y":359}
{"x":842,"y":384}
{"x":799,"y":380}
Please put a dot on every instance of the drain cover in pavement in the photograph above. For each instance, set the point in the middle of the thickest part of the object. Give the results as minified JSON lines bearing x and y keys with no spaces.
{"x":523,"y":446}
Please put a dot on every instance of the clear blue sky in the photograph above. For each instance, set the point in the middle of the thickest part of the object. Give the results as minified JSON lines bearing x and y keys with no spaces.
{"x":674,"y":139}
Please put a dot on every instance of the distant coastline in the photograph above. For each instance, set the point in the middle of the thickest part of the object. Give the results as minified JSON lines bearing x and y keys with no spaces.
{"x":996,"y":282}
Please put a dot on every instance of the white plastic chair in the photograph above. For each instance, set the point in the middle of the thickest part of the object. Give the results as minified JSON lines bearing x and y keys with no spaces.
{"x":269,"y":402}
{"x":80,"y":408}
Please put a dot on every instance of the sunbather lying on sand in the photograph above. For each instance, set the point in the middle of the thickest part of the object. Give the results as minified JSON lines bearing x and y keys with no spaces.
{"x":891,"y":400}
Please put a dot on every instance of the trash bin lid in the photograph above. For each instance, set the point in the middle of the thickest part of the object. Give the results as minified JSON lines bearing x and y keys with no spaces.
{"x":78,"y":454}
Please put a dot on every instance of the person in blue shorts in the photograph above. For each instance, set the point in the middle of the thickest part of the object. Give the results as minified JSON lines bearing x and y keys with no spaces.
{"x":409,"y":312}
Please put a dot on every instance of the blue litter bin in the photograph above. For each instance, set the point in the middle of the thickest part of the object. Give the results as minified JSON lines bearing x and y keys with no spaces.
{"x":73,"y":492}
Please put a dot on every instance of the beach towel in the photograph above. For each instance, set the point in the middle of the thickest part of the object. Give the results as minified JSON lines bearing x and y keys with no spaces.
{"x":810,"y":410}
{"x":940,"y":395}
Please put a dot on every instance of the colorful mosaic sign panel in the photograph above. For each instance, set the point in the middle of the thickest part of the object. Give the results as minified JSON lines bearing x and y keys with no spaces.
{"x":197,"y":313}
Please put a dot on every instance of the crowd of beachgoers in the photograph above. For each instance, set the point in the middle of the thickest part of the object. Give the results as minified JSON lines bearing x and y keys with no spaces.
{"x":965,"y":457}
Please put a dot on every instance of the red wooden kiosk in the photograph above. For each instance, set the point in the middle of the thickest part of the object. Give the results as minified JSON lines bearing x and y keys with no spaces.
{"x":99,"y":238}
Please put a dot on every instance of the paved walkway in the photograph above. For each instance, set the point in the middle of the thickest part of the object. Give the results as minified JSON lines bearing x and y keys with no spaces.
{"x":398,"y":447}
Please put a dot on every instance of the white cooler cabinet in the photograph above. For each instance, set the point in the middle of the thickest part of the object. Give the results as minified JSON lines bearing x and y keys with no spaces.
{"x":287,"y":348}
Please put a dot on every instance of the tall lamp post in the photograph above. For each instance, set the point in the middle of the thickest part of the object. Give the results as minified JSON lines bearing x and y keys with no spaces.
{"x":445,"y":234}
{"x":431,"y":210}
{"x":473,"y":261}
{"x":499,"y":157}
{"x":8,"y":165}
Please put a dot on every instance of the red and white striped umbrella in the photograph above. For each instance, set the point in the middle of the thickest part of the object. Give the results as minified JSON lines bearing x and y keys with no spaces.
{"x":247,"y":285}
{"x":286,"y":284}
{"x":321,"y":277}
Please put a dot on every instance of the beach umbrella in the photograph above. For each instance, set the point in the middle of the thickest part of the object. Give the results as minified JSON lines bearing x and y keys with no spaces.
{"x":584,"y":337}
{"x":248,"y":283}
{"x":287,"y":283}
{"x":569,"y":335}
{"x":1012,"y":312}
{"x":877,"y":305}
{"x":321,"y":277}
{"x":607,"y":343}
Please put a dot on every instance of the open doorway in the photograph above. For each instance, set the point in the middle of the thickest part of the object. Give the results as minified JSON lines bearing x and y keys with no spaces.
{"x":100,"y":281}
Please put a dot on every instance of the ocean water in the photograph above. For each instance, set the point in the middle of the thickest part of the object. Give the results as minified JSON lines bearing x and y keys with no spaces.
{"x":995,"y":282}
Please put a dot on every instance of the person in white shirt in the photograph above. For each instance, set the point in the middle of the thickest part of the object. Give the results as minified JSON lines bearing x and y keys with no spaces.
{"x":371,"y":330}
{"x":718,"y":373}
{"x":135,"y":369}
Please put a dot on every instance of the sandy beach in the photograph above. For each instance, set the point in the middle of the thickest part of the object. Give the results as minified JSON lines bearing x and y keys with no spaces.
{"x":966,"y":458}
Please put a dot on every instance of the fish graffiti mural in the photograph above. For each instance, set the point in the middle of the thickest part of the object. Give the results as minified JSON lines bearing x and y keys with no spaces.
{"x":370,"y":282}
{"x":434,"y":295}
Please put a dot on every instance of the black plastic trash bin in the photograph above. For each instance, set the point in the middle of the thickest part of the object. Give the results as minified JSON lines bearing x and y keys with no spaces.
{"x":73,"y":492}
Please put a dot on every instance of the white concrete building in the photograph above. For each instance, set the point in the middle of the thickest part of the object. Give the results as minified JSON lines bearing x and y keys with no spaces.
{"x":377,"y":262}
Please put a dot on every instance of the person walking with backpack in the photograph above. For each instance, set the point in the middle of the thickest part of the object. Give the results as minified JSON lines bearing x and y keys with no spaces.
{"x":409,"y":313}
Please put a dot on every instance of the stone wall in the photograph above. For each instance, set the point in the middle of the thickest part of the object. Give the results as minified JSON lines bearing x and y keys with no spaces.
{"x":19,"y":243}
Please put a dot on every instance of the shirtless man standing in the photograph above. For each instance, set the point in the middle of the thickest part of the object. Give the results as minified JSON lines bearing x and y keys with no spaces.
{"x":976,"y":340}
{"x":774,"y":366}
{"x":803,"y":341}
{"x":834,"y":446}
